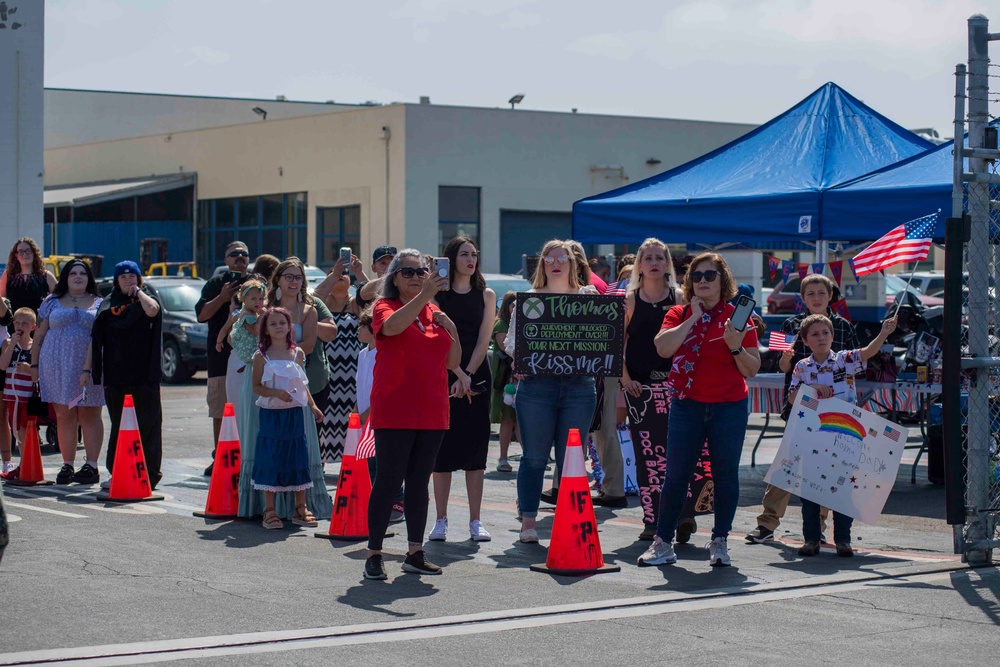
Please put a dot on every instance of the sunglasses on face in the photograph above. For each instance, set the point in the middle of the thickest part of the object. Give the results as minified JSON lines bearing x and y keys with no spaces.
{"x":239,"y":253}
{"x":292,"y":277}
{"x":408,"y":272}
{"x":709,"y":276}
{"x":562,"y":259}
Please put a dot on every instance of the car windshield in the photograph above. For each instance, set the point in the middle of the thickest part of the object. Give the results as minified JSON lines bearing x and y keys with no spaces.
{"x":314,"y":274}
{"x":895,"y":285}
{"x":179,"y":297}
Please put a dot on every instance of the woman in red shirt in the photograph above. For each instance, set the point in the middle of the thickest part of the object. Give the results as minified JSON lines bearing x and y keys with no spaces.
{"x":417,"y":345}
{"x":708,"y":389}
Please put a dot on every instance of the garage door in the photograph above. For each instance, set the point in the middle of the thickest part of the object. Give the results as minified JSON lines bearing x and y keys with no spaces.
{"x":525,"y":232}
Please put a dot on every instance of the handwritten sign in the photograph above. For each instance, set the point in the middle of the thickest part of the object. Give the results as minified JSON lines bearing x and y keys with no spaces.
{"x":569,"y":334}
{"x":838,"y":455}
{"x":648,"y":417}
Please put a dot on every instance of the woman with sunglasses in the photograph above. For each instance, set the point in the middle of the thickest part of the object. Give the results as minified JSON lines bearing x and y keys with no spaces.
{"x":287,"y":289}
{"x":417,"y":345}
{"x":26,"y":281}
{"x":548,"y":406}
{"x":708,"y":400}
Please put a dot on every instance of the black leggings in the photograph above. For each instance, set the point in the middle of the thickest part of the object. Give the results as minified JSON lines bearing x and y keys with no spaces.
{"x":403,"y":454}
{"x":148,"y":414}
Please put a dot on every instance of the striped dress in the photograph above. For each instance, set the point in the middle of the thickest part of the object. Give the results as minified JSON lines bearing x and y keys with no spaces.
{"x":338,"y":399}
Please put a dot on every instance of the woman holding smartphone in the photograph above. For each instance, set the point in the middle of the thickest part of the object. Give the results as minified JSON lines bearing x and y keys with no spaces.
{"x":471,"y":305}
{"x":708,"y":399}
{"x":548,"y":406}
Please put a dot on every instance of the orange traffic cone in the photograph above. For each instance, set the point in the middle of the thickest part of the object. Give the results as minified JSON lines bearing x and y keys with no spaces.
{"x":354,"y":486}
{"x":29,"y":472}
{"x":224,"y":487}
{"x":575,"y":548}
{"x":129,"y":481}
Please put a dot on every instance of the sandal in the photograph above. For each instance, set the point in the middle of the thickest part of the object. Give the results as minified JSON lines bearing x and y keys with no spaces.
{"x":303,"y":517}
{"x":503,"y":466}
{"x":271,"y":520}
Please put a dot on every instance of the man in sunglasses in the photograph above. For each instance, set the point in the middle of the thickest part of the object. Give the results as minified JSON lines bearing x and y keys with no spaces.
{"x":213,"y":308}
{"x":368,"y":291}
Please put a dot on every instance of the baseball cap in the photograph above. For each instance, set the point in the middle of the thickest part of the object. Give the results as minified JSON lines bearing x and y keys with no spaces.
{"x":126,"y":267}
{"x":383,"y":251}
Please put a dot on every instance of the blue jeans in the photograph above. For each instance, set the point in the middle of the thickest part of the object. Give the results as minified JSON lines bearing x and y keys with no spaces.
{"x":724,"y":425}
{"x":547,"y":408}
{"x":811,"y":523}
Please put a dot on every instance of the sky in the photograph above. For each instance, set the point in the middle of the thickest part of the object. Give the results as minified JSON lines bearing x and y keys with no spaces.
{"x":721,"y":60}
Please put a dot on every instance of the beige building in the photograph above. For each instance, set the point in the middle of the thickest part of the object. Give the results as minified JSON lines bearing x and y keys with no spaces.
{"x":311,"y":178}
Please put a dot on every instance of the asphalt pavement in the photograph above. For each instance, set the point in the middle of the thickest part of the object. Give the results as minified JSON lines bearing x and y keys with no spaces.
{"x":85,"y":582}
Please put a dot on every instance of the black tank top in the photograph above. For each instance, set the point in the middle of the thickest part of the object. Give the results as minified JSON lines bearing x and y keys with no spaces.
{"x":466,"y":311}
{"x":27,"y":290}
{"x":643,"y":363}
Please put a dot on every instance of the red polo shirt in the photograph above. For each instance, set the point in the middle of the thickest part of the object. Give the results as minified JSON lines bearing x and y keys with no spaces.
{"x":716,"y":377}
{"x":410,"y":381}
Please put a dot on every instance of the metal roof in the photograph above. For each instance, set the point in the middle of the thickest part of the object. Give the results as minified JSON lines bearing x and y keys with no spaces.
{"x":96,"y":193}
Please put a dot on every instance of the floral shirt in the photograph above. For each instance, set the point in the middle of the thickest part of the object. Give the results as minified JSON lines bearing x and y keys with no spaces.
{"x":837,"y":371}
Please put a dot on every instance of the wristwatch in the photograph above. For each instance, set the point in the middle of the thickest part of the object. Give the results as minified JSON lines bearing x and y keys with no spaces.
{"x":737,"y":352}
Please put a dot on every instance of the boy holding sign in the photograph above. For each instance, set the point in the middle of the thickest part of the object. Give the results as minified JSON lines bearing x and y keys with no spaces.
{"x":831,"y":374}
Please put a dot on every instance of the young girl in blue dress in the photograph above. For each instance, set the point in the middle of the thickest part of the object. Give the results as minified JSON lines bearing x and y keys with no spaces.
{"x":281,"y":460}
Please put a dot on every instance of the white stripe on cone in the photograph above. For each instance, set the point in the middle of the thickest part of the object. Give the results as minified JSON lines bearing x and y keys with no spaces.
{"x":573,"y":465}
{"x":351,"y":441}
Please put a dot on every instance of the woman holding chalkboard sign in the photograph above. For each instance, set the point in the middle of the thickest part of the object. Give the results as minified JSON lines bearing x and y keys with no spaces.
{"x":548,"y":406}
{"x":471,"y":305}
{"x":417,"y":345}
{"x":712,"y":357}
{"x":649,"y":296}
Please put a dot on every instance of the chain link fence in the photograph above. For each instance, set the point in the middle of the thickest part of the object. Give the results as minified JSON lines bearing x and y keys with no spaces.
{"x":979,"y":389}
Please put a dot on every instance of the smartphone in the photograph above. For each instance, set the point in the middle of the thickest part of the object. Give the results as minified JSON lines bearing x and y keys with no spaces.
{"x":442,"y":267}
{"x":230,"y":276}
{"x":744,"y":309}
{"x":345,"y":257}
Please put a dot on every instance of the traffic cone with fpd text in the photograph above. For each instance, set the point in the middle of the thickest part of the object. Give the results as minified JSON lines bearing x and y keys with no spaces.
{"x":129,"y":480}
{"x":29,"y":472}
{"x":224,"y":488}
{"x":575,"y":548}
{"x":354,"y":486}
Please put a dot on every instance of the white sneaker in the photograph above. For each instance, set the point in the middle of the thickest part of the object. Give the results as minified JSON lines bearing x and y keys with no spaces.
{"x":718,"y":553}
{"x":440,"y":531}
{"x":658,"y":553}
{"x":478,"y":533}
{"x":106,"y":484}
{"x":7,"y":467}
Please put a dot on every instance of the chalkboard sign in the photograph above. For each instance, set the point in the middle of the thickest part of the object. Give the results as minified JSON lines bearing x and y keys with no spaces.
{"x":569,"y":334}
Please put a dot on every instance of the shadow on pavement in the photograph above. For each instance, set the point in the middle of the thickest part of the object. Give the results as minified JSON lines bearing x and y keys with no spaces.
{"x":242,"y":534}
{"x":378,"y":595}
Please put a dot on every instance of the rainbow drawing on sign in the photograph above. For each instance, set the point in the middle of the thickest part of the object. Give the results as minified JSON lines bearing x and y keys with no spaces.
{"x":838,"y":422}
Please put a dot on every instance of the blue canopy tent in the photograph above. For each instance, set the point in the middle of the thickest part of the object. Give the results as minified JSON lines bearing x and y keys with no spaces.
{"x":887,"y":198}
{"x":765,"y":187}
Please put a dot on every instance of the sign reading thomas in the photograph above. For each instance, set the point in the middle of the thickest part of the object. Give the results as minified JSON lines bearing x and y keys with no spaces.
{"x":569,"y":334}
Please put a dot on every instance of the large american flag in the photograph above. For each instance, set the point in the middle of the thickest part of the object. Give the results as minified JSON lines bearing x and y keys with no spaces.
{"x":910,"y":242}
{"x":780,"y":341}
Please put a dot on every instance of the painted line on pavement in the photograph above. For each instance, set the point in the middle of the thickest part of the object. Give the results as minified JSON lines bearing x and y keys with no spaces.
{"x":450,"y":626}
{"x":46,"y":510}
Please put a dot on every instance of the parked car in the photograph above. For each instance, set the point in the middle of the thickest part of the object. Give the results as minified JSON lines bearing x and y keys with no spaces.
{"x":501,"y":283}
{"x":185,"y":339}
{"x":782,"y":298}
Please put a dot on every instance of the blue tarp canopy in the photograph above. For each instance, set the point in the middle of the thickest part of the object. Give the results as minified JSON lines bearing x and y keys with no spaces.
{"x":887,"y":198}
{"x":759,"y":187}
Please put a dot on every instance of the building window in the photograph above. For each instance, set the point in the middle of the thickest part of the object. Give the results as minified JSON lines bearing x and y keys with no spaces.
{"x":458,"y":214}
{"x":336,"y":228}
{"x":272,"y":224}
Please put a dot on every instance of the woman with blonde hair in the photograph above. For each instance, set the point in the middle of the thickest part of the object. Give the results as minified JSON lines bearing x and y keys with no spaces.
{"x":650,"y":294}
{"x":548,"y":406}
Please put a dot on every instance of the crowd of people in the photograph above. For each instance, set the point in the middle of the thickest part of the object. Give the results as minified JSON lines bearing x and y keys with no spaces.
{"x":426,"y":358}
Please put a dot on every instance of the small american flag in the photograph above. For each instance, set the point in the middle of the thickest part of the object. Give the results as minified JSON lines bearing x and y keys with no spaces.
{"x":780,"y":341}
{"x":617,"y":288}
{"x":892,"y":434}
{"x":810,"y":402}
{"x":910,"y":242}
{"x":366,"y":446}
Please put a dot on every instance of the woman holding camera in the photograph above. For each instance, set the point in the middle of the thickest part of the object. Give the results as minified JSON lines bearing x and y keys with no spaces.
{"x":417,"y":345}
{"x":712,"y":357}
